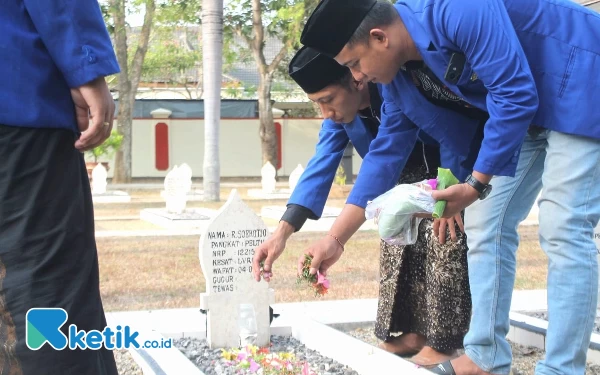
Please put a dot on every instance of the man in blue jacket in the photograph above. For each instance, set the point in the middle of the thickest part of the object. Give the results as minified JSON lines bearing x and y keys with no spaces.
{"x":352,"y":111}
{"x":532,"y":66}
{"x":54,"y":104}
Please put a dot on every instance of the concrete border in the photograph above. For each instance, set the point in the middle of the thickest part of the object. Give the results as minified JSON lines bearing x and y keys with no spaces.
{"x":530,"y":331}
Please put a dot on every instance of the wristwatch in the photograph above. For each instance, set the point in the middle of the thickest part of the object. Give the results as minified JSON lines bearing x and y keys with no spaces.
{"x":483,"y":189}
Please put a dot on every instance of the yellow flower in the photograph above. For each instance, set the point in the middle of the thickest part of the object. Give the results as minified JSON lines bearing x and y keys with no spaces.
{"x":228,"y":355}
{"x":287,"y":356}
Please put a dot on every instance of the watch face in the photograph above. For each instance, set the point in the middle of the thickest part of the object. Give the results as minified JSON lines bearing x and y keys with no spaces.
{"x":486,"y":192}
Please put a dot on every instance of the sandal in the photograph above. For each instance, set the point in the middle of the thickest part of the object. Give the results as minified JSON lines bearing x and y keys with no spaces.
{"x":444,"y":368}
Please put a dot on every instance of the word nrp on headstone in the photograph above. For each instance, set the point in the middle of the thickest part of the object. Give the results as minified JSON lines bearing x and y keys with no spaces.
{"x":232,"y":295}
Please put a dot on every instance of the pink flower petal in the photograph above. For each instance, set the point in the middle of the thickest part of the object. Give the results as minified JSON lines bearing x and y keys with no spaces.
{"x":320,"y":278}
{"x":241,"y":356}
{"x":254,"y":366}
{"x":326,"y":284}
{"x":305,"y":370}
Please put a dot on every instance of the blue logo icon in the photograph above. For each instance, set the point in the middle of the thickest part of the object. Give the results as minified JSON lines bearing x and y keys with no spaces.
{"x":44,"y":324}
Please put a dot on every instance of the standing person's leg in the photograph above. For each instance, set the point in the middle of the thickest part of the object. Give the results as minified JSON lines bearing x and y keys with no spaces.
{"x":569,"y":212}
{"x":394,"y":313}
{"x":448,"y":298}
{"x":492,"y":238}
{"x":47,"y":250}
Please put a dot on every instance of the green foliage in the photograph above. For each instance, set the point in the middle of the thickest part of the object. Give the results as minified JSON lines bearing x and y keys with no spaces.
{"x":169,"y":59}
{"x":108,"y":148}
{"x":340,"y":176}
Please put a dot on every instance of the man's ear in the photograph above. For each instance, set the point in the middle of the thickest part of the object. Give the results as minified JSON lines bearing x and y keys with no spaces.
{"x":378,"y":36}
{"x":358,"y":84}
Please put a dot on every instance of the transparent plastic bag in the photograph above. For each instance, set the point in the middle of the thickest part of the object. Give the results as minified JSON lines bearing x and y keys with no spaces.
{"x":394,"y":211}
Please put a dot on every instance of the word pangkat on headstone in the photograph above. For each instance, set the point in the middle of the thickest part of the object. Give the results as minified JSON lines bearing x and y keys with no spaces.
{"x":233,"y":299}
{"x":176,"y":190}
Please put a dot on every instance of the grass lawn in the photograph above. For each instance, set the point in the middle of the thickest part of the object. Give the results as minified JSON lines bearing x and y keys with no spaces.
{"x":164,"y":272}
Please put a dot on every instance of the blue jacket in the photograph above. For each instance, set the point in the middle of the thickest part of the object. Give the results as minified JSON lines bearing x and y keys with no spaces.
{"x":529,"y":62}
{"x":314,"y":185}
{"x":48,"y":47}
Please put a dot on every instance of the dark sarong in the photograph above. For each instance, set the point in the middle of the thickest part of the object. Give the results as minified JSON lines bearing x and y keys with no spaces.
{"x":48,"y":255}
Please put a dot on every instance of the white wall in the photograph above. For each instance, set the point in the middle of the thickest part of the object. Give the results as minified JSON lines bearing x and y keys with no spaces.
{"x":240,"y":150}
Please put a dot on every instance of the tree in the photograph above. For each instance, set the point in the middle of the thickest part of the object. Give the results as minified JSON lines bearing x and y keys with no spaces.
{"x":172,"y":57}
{"x":212,"y":37}
{"x":253,"y":21}
{"x":129,"y":78}
{"x":131,"y":47}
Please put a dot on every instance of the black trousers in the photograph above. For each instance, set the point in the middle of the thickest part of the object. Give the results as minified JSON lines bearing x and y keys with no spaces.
{"x":48,"y":255}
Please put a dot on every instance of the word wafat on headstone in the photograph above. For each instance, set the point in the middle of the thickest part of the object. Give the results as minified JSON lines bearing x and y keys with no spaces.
{"x":232,"y":295}
{"x":295,"y":176}
{"x":176,"y":190}
{"x":99,"y":175}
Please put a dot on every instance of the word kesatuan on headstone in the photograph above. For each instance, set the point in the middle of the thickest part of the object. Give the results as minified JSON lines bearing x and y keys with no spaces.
{"x":295,"y":176}
{"x":226,"y":250}
{"x":99,"y":175}
{"x":176,"y":190}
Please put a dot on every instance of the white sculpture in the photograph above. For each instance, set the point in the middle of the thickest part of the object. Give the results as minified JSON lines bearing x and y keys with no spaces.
{"x":295,"y":176}
{"x":268,"y":173}
{"x":186,"y":172}
{"x":175,"y":191}
{"x":99,"y":176}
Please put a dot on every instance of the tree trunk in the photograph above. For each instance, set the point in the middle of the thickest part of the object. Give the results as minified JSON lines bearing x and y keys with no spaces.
{"x":212,"y":59}
{"x":267,"y":133}
{"x":129,"y":79}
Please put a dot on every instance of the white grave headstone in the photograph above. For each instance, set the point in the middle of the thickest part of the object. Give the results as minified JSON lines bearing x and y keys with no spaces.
{"x":186,"y":172}
{"x":99,"y":175}
{"x":268,"y":182}
{"x":175,"y":191}
{"x":236,"y":304}
{"x":295,"y":176}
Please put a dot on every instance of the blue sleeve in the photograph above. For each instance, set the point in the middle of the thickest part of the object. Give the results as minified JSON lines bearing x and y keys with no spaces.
{"x":74,"y":33}
{"x":315,"y":183}
{"x":389,"y":151}
{"x":483,"y":31}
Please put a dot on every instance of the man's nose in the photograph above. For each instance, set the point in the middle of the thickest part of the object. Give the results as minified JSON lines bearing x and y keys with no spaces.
{"x":326,"y":111}
{"x":359,"y":76}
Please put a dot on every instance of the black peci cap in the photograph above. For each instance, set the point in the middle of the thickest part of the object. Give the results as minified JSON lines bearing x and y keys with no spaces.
{"x":314,"y":71}
{"x":333,"y":23}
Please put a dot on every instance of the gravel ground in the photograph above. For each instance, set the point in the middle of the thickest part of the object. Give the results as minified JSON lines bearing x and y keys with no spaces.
{"x":125,"y":363}
{"x":544,"y":315}
{"x":524,"y":358}
{"x":211,"y":362}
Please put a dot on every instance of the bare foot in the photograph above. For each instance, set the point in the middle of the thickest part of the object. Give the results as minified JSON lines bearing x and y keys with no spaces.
{"x":429,"y":356}
{"x":464,"y":366}
{"x":405,"y":344}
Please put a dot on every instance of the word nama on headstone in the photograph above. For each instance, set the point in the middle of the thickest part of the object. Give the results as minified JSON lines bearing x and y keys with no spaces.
{"x":226,"y":251}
